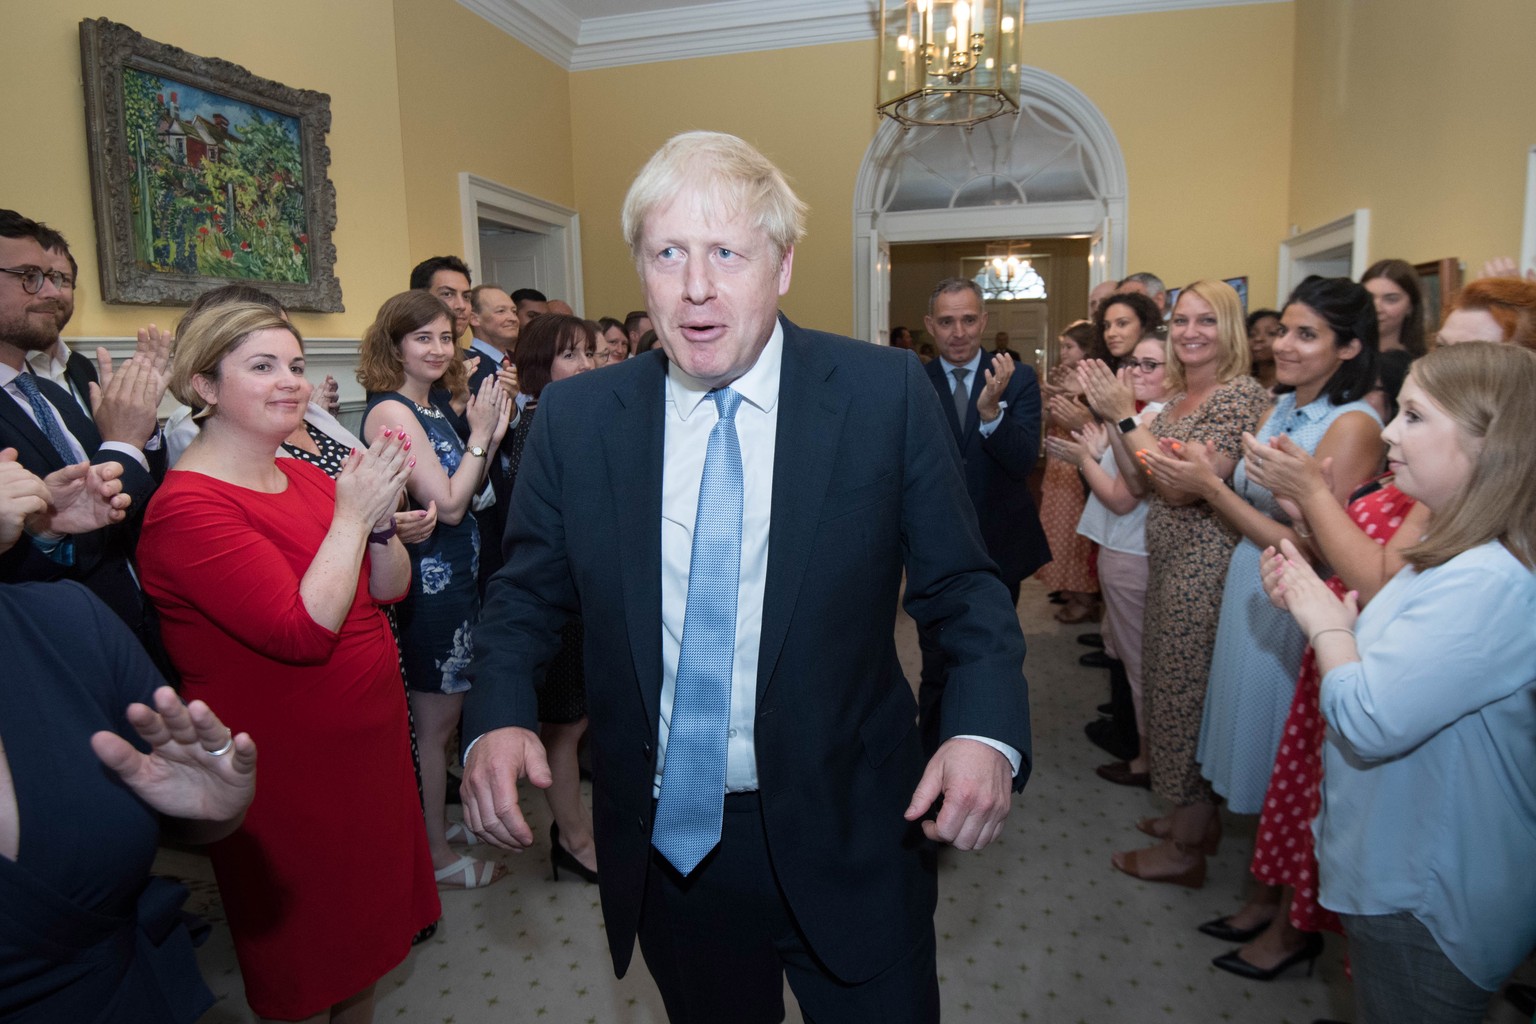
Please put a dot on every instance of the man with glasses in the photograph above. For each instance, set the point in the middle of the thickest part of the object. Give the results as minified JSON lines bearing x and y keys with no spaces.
{"x":50,"y":430}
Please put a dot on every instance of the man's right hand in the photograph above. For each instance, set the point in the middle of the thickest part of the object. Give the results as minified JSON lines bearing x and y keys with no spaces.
{"x":489,"y":793}
{"x":126,"y":402}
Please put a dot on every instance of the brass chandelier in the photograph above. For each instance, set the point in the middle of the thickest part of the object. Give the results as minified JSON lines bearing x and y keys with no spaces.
{"x":949,"y":62}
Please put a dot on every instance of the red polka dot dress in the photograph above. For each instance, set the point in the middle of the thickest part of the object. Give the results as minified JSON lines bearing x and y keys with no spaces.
{"x":1283,"y":852}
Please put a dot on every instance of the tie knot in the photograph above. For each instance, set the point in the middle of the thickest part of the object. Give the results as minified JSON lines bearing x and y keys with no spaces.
{"x":27,"y":383}
{"x":726,"y":402}
{"x":960,"y":374}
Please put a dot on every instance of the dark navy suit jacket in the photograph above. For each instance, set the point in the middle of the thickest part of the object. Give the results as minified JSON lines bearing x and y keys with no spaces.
{"x":997,"y":467}
{"x":865,"y":485}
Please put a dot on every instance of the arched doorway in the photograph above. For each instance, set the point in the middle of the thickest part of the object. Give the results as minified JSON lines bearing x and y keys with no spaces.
{"x":1053,"y":169}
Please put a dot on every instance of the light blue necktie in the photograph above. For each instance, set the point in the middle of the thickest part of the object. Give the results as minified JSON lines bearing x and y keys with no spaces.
{"x":692,"y":798}
{"x":47,"y":419}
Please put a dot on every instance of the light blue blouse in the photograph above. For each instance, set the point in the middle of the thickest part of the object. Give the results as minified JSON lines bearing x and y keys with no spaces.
{"x":1429,"y":780}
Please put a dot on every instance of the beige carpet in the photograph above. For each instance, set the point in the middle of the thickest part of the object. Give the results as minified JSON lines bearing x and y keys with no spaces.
{"x":1037,"y":928}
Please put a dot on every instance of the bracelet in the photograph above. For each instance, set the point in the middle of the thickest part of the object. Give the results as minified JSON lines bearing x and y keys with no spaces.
{"x":1330,"y":629}
{"x":383,"y":536}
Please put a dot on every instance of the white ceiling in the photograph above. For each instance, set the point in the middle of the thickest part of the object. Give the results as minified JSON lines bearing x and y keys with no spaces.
{"x":581,"y":35}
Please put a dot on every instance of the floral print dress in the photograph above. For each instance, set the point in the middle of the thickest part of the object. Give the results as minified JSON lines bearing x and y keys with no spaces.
{"x":437,"y":616}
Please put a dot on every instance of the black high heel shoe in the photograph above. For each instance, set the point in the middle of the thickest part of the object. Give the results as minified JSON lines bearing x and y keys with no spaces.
{"x":560,"y":857}
{"x":1308,"y":953}
{"x":1222,"y":928}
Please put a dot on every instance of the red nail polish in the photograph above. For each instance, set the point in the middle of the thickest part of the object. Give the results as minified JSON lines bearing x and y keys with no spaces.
{"x":388,"y":432}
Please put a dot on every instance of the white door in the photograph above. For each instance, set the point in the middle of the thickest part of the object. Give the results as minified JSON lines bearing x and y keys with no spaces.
{"x":511,"y":258}
{"x":1028,"y":327}
{"x":1098,"y":254}
{"x":872,"y":290}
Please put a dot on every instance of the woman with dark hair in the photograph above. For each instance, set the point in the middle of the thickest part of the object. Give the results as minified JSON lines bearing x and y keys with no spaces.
{"x":553,"y":348}
{"x":1123,"y":320}
{"x":1070,"y":572}
{"x":1263,"y":328}
{"x":1427,"y":827}
{"x":1394,"y":287}
{"x":405,"y":353}
{"x":1325,"y":364}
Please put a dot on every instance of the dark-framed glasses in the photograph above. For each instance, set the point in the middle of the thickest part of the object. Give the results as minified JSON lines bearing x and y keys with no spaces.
{"x":32,"y":278}
{"x":1144,"y":365}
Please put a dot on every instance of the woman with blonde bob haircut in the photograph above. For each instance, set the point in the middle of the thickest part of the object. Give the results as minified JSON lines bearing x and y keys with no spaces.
{"x":268,"y":576}
{"x":729,"y":173}
{"x":1428,"y":823}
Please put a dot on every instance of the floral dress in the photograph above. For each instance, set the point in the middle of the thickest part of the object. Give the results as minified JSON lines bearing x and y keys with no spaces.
{"x":438,"y":615}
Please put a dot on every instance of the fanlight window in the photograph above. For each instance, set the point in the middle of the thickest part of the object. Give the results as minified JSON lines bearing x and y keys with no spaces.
{"x":1007,"y":278}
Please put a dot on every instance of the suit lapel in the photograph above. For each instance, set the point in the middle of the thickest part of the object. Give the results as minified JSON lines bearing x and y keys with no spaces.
{"x":81,"y":376}
{"x":24,"y":433}
{"x":632,"y":444}
{"x":75,"y":419}
{"x":811,"y":413}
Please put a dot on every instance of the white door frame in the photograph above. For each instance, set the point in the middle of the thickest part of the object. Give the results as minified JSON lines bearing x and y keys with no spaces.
{"x":871,"y":228}
{"x":483,"y":199}
{"x":1352,"y":229}
{"x":1528,"y":233}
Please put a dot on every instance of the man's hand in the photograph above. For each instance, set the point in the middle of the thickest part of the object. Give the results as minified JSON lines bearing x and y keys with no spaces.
{"x":992,"y":392}
{"x":126,"y":402}
{"x":82,"y":498}
{"x":22,"y":496}
{"x":489,"y":793}
{"x":976,"y":782}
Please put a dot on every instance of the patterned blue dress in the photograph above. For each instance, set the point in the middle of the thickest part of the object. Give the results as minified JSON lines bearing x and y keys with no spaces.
{"x":438,"y":615}
{"x":1258,"y":646}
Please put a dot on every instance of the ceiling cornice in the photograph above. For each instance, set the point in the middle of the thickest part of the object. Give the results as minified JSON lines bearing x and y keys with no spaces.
{"x":740,"y":26}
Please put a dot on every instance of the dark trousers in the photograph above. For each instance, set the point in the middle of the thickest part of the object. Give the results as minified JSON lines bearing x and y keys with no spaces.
{"x":930,"y":687}
{"x":721,"y":942}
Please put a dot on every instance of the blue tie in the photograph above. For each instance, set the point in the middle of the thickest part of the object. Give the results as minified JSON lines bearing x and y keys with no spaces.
{"x":693,"y":778}
{"x":47,"y":419}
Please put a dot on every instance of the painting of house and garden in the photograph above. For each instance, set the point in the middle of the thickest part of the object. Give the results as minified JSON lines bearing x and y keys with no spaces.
{"x":217,"y":185}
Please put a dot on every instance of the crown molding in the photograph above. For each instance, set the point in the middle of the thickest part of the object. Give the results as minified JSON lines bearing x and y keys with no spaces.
{"x":741,"y":26}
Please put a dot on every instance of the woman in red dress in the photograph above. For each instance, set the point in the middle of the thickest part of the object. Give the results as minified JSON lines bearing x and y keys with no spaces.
{"x":268,"y":577}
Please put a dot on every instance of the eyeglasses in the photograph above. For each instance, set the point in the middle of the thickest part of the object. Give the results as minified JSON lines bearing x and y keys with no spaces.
{"x":1144,"y":365}
{"x":32,"y":278}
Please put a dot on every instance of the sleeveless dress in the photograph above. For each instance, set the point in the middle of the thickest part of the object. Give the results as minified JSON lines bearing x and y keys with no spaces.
{"x":1283,"y":852}
{"x":1258,"y":646}
{"x":438,"y":616}
{"x":1188,"y":549}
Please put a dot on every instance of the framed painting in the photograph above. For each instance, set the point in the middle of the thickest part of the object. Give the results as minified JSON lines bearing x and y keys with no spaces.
{"x":1439,"y":281}
{"x":204,"y":174}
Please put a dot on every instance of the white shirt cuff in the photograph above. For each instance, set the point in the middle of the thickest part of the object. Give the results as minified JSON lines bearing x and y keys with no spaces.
{"x":1015,"y":759}
{"x":125,"y":448}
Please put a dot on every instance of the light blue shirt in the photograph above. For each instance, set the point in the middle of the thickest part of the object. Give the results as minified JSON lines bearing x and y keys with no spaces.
{"x":1429,"y":770}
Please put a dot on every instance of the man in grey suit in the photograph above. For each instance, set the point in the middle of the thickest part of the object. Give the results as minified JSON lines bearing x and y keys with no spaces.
{"x":758,"y":785}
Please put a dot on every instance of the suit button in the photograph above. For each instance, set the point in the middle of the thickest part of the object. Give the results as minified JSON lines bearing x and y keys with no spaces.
{"x":640,"y":824}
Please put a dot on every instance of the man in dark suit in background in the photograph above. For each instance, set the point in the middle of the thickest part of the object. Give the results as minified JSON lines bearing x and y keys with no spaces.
{"x":992,"y":405}
{"x":758,"y":780}
{"x":48,"y":427}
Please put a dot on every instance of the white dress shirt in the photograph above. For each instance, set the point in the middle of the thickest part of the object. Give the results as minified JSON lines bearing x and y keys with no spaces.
{"x":53,"y":364}
{"x":8,"y":375}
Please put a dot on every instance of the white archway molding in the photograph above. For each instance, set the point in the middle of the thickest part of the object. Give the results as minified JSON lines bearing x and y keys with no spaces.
{"x":1102,"y":217}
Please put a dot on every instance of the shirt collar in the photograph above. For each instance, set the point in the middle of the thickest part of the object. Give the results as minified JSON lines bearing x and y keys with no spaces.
{"x":950,"y":368}
{"x":758,"y":387}
{"x":50,"y":362}
{"x":485,"y":348}
{"x":1313,"y":410}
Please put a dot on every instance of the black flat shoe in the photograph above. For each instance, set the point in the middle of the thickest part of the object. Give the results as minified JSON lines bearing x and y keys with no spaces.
{"x":425,"y":934}
{"x":1220,"y":929}
{"x":1103,"y":734}
{"x":1106,"y":708}
{"x":1095,"y":659}
{"x":1091,"y":639}
{"x":1308,"y":953}
{"x":1055,"y":597}
{"x":560,"y":857}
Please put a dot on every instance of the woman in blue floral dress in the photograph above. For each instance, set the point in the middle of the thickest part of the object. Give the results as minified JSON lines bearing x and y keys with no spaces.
{"x":408,"y":350}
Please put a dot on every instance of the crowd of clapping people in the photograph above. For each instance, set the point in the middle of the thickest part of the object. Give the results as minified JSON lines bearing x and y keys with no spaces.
{"x":285,"y":571}
{"x":1315,"y":532}
{"x":1313,"y":535}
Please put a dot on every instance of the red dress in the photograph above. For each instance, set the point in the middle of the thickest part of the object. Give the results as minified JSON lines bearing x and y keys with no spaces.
{"x":329,"y":877}
{"x":1283,"y":853}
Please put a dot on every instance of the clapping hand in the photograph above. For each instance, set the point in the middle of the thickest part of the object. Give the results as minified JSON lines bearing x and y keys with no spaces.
{"x":370,"y":483}
{"x":1186,"y":468}
{"x":415,"y":525}
{"x":1293,"y":585}
{"x":126,"y":404}
{"x":195,"y":769}
{"x":22,"y":495}
{"x":490,"y":410}
{"x":330,"y":395}
{"x":82,"y":498}
{"x":1068,"y":413}
{"x":1109,"y":395}
{"x":997,"y":378}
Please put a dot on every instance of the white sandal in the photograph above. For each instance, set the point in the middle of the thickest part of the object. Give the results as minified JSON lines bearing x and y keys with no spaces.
{"x":467,"y":873}
{"x":459,"y":835}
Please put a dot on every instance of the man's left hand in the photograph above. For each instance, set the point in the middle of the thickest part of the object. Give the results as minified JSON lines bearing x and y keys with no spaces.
{"x":976,"y":783}
{"x":992,"y":392}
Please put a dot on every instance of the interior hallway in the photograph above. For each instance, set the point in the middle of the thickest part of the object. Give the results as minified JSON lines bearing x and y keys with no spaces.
{"x":1037,"y":928}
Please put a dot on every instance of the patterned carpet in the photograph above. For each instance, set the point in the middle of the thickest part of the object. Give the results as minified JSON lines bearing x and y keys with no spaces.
{"x":1038,"y":928}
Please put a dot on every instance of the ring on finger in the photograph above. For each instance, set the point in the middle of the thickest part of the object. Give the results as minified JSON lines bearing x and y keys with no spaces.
{"x":229,"y":743}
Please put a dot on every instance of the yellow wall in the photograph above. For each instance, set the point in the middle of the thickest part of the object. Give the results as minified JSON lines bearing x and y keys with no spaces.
{"x":473,"y":99}
{"x":1199,"y":100}
{"x":346,"y":50}
{"x":1420,"y":112}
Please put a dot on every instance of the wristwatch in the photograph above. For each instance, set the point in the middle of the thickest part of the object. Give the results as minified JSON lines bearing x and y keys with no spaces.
{"x":1128,"y":424}
{"x":477,"y":451}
